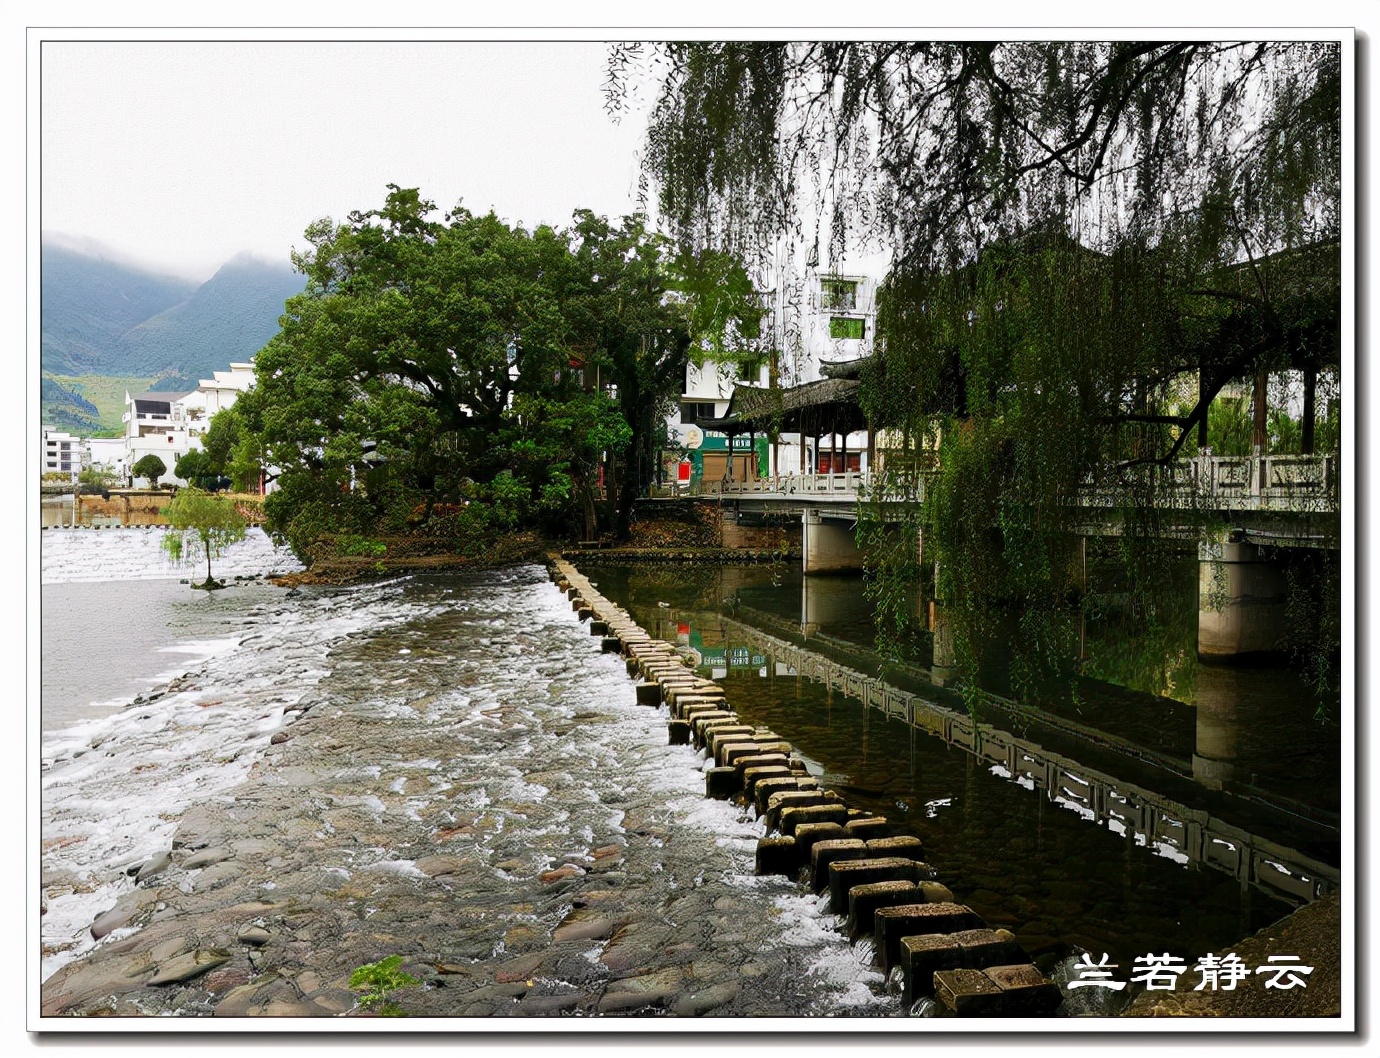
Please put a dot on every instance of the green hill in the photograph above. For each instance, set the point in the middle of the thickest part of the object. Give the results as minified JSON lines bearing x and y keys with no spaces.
{"x":108,"y":326}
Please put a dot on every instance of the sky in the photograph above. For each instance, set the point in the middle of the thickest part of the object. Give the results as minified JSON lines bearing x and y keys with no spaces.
{"x":181,"y":154}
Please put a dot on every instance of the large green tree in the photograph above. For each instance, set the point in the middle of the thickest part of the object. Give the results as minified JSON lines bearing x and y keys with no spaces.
{"x":461,"y":360}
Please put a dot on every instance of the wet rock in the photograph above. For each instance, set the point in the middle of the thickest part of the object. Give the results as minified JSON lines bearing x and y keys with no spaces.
{"x":108,"y":921}
{"x":217,"y":875}
{"x":164,"y":951}
{"x":633,"y":993}
{"x":157,"y":865}
{"x":254,"y":936}
{"x":520,"y":937}
{"x":560,"y":874}
{"x":693,"y":1004}
{"x":519,"y":969}
{"x":206,"y":857}
{"x":554,"y":1004}
{"x":185,"y":967}
{"x":583,"y":924}
{"x":435,"y":866}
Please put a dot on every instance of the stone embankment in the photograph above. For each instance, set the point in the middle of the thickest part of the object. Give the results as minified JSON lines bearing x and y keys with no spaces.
{"x":879,"y":883}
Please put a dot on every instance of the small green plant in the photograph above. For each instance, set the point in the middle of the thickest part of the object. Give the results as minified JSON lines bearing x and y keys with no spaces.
{"x":351,"y":544}
{"x":382,"y":979}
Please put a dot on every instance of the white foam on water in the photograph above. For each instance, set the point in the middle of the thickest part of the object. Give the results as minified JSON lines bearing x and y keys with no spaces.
{"x":137,"y":554}
{"x":114,"y":787}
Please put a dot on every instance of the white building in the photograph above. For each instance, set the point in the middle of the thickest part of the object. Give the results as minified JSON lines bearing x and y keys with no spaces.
{"x":171,"y":424}
{"x":821,"y":318}
{"x":60,"y":453}
{"x":106,"y":453}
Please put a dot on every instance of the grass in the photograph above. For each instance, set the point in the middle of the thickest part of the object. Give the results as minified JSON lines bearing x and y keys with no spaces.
{"x":107,"y":393}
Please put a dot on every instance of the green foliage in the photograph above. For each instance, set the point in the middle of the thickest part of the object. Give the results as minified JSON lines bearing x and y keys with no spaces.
{"x":350,"y":544}
{"x":461,"y":360}
{"x":94,"y":480}
{"x":150,"y":467}
{"x":380,"y":981}
{"x":196,"y":468}
{"x":201,"y":525}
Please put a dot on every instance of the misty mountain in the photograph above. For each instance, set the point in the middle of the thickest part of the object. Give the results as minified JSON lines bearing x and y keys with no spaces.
{"x":228,"y":318}
{"x":102,"y":316}
{"x":89,"y":302}
{"x":105,"y":319}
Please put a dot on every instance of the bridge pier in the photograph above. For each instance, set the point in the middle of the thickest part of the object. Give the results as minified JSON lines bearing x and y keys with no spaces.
{"x":827,"y":546}
{"x":1217,"y":729}
{"x":1241,"y":600}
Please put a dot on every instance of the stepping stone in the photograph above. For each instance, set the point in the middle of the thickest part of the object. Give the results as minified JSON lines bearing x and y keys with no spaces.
{"x":968,"y":993}
{"x":844,"y":875}
{"x":910,"y":920}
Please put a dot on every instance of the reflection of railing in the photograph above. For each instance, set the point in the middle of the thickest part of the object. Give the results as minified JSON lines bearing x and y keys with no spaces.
{"x":1175,"y":831}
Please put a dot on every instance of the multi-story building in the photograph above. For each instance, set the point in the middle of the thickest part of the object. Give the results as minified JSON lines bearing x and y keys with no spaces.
{"x":821,"y":319}
{"x":61,"y":454}
{"x":171,"y":424}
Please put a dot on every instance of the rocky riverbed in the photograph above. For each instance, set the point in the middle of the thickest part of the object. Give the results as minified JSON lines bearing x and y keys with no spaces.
{"x":448,"y":771}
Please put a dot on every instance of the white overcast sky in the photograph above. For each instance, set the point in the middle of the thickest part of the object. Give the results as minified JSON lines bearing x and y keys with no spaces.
{"x":183,"y":153}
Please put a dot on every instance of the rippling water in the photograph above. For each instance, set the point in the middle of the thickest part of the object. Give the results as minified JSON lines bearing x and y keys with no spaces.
{"x":460,"y":738}
{"x":1028,"y":859}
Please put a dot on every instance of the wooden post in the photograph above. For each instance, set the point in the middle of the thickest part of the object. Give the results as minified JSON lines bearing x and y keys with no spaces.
{"x":1261,"y":439}
{"x":1310,"y":401}
{"x":1203,"y":422}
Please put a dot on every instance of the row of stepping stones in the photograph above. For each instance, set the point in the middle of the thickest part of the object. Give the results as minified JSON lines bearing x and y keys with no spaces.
{"x":879,"y":883}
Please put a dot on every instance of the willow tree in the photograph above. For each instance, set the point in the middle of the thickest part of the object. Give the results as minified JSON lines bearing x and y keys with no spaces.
{"x":1077,"y":229}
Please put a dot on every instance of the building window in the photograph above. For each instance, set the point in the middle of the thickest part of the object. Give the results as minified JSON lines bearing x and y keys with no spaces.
{"x":847,"y":327}
{"x":696,"y":411}
{"x":839,"y":295}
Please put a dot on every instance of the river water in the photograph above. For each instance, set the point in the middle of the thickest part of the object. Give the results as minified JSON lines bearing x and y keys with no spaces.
{"x":447,"y":769}
{"x":1242,"y":758}
{"x":444,"y":768}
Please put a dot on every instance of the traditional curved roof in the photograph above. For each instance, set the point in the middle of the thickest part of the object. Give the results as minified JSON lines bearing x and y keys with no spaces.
{"x":829,"y":405}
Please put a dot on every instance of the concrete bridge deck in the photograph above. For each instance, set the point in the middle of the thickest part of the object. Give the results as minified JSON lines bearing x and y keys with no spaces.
{"x":1275,"y":484}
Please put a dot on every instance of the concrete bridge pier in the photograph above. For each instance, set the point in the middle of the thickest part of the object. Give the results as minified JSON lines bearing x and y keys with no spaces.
{"x":828,"y":545}
{"x":1241,"y":600}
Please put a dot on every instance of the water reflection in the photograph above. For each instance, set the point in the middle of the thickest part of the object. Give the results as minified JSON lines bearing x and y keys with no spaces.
{"x":1216,"y":808}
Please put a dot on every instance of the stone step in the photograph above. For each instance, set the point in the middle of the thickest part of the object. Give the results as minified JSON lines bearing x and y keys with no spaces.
{"x":1014,"y":990}
{"x":922,"y":955}
{"x":910,"y":920}
{"x":767,"y":787}
{"x":844,"y":875}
